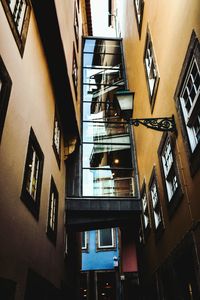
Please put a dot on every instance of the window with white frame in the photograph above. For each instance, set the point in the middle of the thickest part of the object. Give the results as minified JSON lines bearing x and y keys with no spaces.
{"x":84,"y":240}
{"x":155,"y":201}
{"x":18,"y":15}
{"x":187,"y":96}
{"x":106,"y":238}
{"x":18,"y":10}
{"x":53,"y":212}
{"x":32,"y":181}
{"x":151,"y":70}
{"x":190,"y":103}
{"x":169,"y":171}
{"x":155,"y":204}
{"x":145,"y":208}
{"x":57,"y":139}
{"x":139,"y":7}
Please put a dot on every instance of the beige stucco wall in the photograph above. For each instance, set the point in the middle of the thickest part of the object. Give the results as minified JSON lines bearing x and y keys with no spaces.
{"x":171,"y":24}
{"x":24,"y":243}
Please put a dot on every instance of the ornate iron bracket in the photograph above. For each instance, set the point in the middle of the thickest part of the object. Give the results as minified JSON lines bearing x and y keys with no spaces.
{"x":159,"y":124}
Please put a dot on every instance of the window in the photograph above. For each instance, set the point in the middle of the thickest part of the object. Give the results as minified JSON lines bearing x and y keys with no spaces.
{"x":5,"y":89}
{"x":155,"y":201}
{"x":57,"y":139}
{"x":53,"y":212}
{"x":106,"y":238}
{"x":187,"y":96}
{"x":145,"y":210}
{"x":169,"y":171}
{"x":75,"y":70}
{"x":139,"y":7}
{"x":151,"y":70}
{"x":84,"y":241}
{"x":76,"y":26}
{"x":32,"y":181}
{"x":18,"y":15}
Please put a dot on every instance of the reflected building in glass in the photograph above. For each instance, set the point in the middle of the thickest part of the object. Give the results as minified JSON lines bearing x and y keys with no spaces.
{"x":107,"y":168}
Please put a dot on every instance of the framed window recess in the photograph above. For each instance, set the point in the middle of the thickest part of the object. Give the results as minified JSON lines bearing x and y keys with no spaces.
{"x":187,"y":97}
{"x":52,"y":212}
{"x":75,"y":71}
{"x":84,"y":241}
{"x":169,"y":172}
{"x":76,"y":25}
{"x":145,"y":211}
{"x":156,"y":205}
{"x":151,"y":69}
{"x":32,"y":180}
{"x":18,"y":15}
{"x":5,"y":89}
{"x":57,"y":139}
{"x":106,"y":239}
{"x":139,"y":9}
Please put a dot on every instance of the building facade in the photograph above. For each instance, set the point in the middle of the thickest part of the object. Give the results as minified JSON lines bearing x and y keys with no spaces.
{"x":39,"y":124}
{"x":123,"y":172}
{"x":162,"y":57}
{"x":100,"y":257}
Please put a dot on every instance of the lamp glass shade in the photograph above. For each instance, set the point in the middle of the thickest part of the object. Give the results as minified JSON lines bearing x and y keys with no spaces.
{"x":125,"y":100}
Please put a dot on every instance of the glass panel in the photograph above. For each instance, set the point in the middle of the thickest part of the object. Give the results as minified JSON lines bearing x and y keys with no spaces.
{"x":109,"y":46}
{"x":94,"y":91}
{"x":106,"y":132}
{"x":106,"y":152}
{"x":96,"y":110}
{"x":109,"y":156}
{"x":105,"y":237}
{"x":107,"y":182}
{"x":83,"y":235}
{"x":105,"y":75}
{"x":101,"y":59}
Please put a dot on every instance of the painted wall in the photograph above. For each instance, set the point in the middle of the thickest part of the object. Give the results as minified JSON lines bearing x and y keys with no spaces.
{"x":170,"y":33}
{"x":98,"y":260}
{"x":128,"y":252}
{"x":24,"y":243}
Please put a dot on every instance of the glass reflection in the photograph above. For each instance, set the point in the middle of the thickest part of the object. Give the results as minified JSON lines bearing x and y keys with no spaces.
{"x":112,"y":156}
{"x":106,"y":182}
{"x":104,"y":75}
{"x":106,"y":151}
{"x":100,"y":45}
{"x":101,"y":59}
{"x":102,"y":132}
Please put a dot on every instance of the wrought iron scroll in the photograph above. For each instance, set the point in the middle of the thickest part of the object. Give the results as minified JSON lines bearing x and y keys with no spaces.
{"x":159,"y":124}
